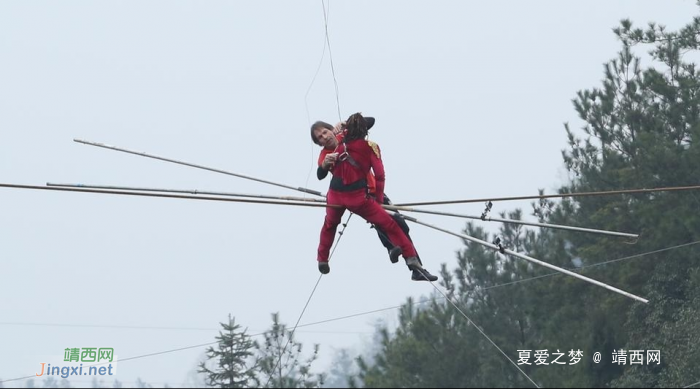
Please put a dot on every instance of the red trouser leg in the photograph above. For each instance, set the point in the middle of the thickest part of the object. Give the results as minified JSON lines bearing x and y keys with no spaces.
{"x":330,"y":225}
{"x":371,"y":211}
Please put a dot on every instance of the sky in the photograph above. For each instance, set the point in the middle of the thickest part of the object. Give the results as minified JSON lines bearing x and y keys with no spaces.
{"x":470,"y":100}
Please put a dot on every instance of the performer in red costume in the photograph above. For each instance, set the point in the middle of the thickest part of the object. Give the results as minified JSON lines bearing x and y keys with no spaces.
{"x":350,"y":163}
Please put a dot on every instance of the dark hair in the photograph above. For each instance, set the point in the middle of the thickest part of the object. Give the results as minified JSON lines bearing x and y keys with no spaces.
{"x":319,"y":124}
{"x":357,"y":127}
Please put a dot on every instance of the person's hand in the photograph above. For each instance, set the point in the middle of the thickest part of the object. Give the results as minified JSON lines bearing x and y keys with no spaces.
{"x":339,"y":127}
{"x":324,"y":268}
{"x":330,"y":160}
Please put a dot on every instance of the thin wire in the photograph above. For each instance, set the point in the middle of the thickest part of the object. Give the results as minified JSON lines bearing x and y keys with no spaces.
{"x":690,"y":386}
{"x":167,"y":352}
{"x":18,"y":379}
{"x":399,"y":306}
{"x":183,"y":191}
{"x":132,"y":384}
{"x":291,"y":335}
{"x":483,"y":333}
{"x":303,"y":199}
{"x":330,"y":55}
{"x":388,"y":308}
{"x":500,"y":285}
{"x":306,"y":104}
{"x":208,"y":329}
{"x":593,"y":265}
{"x":311,"y":169}
{"x":150,"y":327}
{"x":143,"y":154}
{"x":337,"y":100}
{"x":695,"y":197}
{"x":106,"y":326}
{"x":320,"y":62}
{"x":358,"y":314}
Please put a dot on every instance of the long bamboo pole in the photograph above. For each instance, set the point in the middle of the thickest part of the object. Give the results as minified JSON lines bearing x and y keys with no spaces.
{"x":579,"y":194}
{"x":143,"y":154}
{"x":511,"y":221}
{"x":185,"y":191}
{"x":533,"y":260}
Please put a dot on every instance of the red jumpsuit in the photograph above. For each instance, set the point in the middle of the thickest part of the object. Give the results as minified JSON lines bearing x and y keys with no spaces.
{"x":349,"y":190}
{"x":371,"y":184}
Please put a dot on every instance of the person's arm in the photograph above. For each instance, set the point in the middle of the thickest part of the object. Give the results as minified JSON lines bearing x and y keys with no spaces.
{"x":321,"y":173}
{"x":378,"y":168}
{"x":325,"y":165}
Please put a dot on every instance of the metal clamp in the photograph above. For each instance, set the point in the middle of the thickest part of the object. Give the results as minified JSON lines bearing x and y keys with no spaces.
{"x":486,"y":212}
{"x":497,"y":242}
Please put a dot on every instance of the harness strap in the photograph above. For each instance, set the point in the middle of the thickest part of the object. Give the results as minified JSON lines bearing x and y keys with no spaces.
{"x":345,"y":156}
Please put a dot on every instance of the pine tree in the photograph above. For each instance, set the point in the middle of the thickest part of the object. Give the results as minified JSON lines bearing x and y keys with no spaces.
{"x":281,"y":364}
{"x":643,"y":127}
{"x":233,"y":359}
{"x":641,"y":130}
{"x":342,"y":369}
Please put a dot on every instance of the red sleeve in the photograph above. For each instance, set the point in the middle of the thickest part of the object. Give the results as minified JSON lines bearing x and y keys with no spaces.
{"x":378,"y":167}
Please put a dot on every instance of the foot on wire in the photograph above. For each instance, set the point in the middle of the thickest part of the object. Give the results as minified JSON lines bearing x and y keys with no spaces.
{"x":422,"y":275}
{"x":418,"y":273}
{"x":324,"y":268}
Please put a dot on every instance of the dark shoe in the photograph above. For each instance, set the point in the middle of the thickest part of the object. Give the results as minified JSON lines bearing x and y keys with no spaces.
{"x":324,"y":268}
{"x":422,"y":275}
{"x":394,"y":254}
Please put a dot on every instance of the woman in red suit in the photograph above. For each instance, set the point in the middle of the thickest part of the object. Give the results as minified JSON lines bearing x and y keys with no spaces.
{"x":350,"y":164}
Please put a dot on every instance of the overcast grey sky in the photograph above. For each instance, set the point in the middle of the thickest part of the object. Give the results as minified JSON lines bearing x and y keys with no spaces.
{"x":470,"y":100}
